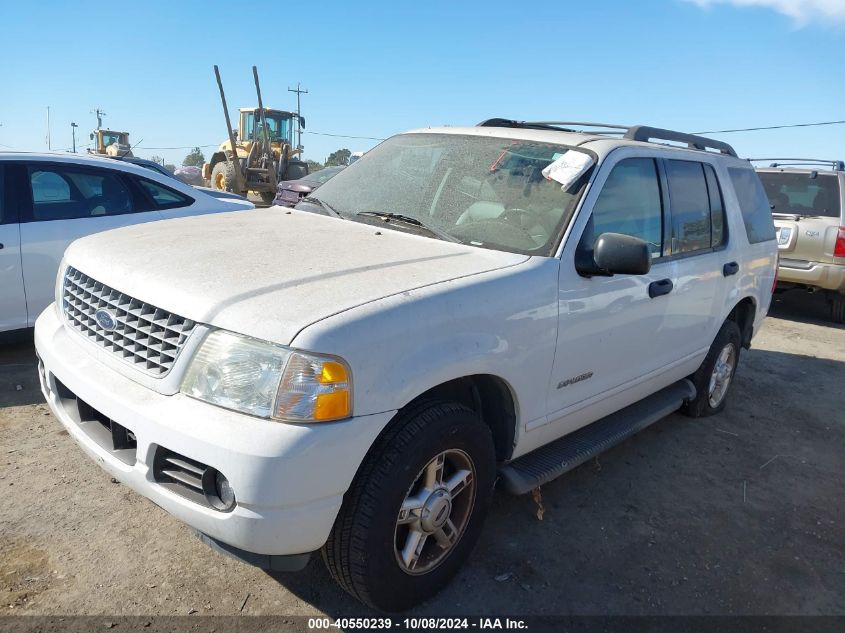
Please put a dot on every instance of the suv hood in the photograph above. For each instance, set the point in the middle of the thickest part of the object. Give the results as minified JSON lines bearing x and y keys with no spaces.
{"x":270,"y":273}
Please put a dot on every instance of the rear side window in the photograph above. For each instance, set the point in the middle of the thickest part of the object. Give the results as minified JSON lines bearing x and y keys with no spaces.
{"x":629,"y":203}
{"x":66,"y":193}
{"x":164,"y":197}
{"x":717,"y":207}
{"x":696,"y":206}
{"x":802,"y":194}
{"x":754,"y":205}
{"x":690,"y":204}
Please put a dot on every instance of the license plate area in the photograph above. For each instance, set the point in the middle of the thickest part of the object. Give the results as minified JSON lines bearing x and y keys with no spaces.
{"x":108,"y":434}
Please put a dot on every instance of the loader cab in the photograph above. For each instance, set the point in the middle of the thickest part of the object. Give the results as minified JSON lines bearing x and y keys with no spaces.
{"x":280,"y":125}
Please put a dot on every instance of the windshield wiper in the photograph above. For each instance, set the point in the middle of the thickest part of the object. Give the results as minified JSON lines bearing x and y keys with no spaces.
{"x":407,"y":219}
{"x":325,"y":205}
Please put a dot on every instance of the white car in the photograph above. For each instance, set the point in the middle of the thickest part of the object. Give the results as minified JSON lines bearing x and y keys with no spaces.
{"x":49,"y":200}
{"x":460,"y":305}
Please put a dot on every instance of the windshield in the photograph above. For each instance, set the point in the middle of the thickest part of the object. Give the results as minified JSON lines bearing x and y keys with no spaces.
{"x":791,"y":192}
{"x":483,"y":191}
{"x":321,"y":176}
{"x":278,"y":126}
{"x":110,"y":138}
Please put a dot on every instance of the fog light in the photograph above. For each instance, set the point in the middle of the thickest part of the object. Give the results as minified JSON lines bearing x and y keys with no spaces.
{"x":224,"y":490}
{"x":218,"y":491}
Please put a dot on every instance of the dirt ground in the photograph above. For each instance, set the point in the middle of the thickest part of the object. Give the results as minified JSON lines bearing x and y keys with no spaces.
{"x":741,"y":513}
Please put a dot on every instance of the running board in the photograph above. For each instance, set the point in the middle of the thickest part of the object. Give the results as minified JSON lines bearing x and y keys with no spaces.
{"x":548,"y":462}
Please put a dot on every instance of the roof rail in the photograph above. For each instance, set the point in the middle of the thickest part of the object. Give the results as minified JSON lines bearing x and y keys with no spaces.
{"x":642,"y":133}
{"x":836,"y":165}
{"x":521,"y":124}
{"x":645,"y":133}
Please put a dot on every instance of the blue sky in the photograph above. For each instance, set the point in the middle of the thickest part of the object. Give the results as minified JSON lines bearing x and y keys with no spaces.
{"x":374,"y":69}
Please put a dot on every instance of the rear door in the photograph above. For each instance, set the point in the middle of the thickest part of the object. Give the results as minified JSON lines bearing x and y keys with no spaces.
{"x":65,"y":202}
{"x":12,"y":297}
{"x":806,"y":208}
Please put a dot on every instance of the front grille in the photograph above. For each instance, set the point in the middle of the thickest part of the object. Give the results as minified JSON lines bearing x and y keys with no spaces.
{"x":143,"y":335}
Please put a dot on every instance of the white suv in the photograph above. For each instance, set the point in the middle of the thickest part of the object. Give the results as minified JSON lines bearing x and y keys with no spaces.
{"x":458,"y":306}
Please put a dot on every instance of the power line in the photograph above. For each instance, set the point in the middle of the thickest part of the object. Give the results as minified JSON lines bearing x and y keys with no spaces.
{"x":369,"y":138}
{"x":181,"y":147}
{"x":772,"y":127}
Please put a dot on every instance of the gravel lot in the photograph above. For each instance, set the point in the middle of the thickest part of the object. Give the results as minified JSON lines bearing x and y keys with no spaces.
{"x":741,"y":513}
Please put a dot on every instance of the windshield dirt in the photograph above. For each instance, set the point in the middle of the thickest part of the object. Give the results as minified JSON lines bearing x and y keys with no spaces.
{"x":488,"y":192}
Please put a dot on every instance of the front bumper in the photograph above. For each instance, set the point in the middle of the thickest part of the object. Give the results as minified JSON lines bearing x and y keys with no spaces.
{"x":288,"y":480}
{"x":815,"y":274}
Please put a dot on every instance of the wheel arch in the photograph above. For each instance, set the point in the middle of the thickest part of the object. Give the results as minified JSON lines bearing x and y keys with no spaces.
{"x":216,"y":157}
{"x":743,"y":314}
{"x":490,"y":396}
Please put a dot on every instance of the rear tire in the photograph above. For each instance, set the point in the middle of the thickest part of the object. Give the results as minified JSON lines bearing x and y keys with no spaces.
{"x":715,"y":376}
{"x":223,"y":177}
{"x":267,"y":197}
{"x":837,"y":307}
{"x":404,"y":530}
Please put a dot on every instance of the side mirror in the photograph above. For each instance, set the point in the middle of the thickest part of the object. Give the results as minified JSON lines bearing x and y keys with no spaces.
{"x":91,"y":136}
{"x":302,"y":122}
{"x":615,"y":254}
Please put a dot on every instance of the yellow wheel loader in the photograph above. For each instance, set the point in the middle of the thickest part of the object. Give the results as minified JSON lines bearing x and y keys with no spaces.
{"x":110,"y":143}
{"x":264,"y":154}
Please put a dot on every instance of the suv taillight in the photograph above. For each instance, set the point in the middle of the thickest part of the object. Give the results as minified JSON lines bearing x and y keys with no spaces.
{"x":839,"y":247}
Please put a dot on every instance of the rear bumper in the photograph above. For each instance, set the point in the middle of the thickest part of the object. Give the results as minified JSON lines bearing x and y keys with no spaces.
{"x":288,"y":480}
{"x":816,"y":274}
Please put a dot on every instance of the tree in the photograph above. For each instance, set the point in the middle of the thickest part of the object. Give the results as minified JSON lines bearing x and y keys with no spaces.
{"x":157,"y":159}
{"x":313,"y":166}
{"x":194,"y":159}
{"x":340,"y":157}
{"x":170,"y":167}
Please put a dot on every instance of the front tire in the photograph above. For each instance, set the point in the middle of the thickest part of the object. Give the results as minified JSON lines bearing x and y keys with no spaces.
{"x":416,"y":507}
{"x":223,"y":177}
{"x":715,"y":376}
{"x":267,"y":197}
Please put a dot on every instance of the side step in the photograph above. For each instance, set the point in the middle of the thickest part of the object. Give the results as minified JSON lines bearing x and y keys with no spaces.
{"x":548,"y":462}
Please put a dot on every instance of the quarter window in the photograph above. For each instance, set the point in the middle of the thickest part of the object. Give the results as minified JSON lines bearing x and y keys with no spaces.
{"x":754,"y":205}
{"x":60,"y":193}
{"x":629,"y":203}
{"x":164,"y":197}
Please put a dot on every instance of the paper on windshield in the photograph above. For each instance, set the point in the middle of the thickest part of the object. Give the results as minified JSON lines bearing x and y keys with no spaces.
{"x":568,"y":168}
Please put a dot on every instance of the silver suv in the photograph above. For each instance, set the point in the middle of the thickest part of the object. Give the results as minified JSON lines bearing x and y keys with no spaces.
{"x":808,"y":206}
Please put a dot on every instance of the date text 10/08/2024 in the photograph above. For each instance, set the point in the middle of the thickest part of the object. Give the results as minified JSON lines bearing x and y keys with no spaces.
{"x":417,"y":623}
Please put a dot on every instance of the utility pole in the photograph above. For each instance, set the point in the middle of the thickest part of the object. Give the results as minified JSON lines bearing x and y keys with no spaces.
{"x":48,"y":128}
{"x":73,"y":127}
{"x":299,"y":91}
{"x":100,"y":114}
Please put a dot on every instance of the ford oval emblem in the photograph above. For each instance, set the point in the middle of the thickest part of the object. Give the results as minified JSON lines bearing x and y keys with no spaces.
{"x":105,"y":319}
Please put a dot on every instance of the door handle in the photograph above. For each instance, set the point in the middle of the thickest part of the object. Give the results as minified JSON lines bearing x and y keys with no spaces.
{"x":658,"y":288}
{"x":731,"y":268}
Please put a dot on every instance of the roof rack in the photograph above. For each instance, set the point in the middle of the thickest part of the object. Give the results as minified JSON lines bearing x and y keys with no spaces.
{"x":836,"y":165}
{"x":641,"y":133}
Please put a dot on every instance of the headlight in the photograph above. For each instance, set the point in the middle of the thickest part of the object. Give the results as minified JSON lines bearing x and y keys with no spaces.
{"x":269,"y":381}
